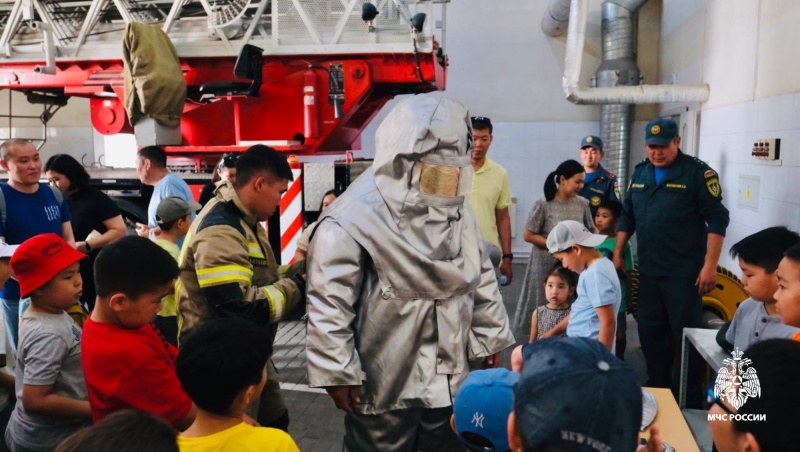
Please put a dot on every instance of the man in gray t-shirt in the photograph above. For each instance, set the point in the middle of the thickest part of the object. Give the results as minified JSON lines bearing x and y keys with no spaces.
{"x":49,"y":353}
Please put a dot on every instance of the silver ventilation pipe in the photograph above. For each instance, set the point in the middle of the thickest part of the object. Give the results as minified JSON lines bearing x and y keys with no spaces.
{"x":618,"y":68}
{"x":555,"y":19}
{"x":618,"y":87}
{"x":641,"y":94}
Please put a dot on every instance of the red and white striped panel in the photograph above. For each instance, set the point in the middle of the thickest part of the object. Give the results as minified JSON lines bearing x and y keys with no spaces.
{"x":291,"y":217}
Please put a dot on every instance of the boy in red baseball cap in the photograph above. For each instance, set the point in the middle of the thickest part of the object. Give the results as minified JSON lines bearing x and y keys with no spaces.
{"x":51,"y":392}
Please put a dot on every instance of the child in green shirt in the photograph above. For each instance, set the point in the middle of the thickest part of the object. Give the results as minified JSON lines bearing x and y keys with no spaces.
{"x":606,"y":221}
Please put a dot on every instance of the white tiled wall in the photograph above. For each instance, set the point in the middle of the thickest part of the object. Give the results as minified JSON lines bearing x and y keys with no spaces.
{"x":726,"y":138}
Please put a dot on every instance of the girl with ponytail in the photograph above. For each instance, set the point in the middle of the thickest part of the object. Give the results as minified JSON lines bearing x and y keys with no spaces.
{"x":560,"y":202}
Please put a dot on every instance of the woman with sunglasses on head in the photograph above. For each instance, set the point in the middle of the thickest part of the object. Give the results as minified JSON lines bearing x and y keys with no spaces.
{"x":96,"y":219}
{"x":224,"y":171}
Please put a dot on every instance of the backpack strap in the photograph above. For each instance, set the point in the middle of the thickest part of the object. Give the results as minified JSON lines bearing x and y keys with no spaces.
{"x":3,"y":210}
{"x":57,"y":193}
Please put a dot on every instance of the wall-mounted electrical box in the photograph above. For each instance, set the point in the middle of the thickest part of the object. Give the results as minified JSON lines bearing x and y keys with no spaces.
{"x":767,"y":149}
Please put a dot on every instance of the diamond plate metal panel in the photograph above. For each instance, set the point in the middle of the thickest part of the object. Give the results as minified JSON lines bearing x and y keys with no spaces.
{"x":317,"y":179}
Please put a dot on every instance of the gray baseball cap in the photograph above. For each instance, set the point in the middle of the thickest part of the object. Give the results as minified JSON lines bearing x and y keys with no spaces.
{"x":570,"y":232}
{"x":174,"y":208}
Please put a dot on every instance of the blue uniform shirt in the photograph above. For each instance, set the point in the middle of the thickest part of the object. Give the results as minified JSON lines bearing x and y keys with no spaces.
{"x":672,"y":219}
{"x":599,"y":186}
{"x":27,"y":215}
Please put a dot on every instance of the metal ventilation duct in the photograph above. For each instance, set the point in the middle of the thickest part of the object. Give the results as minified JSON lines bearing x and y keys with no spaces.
{"x":617,"y":77}
{"x":618,"y":68}
{"x":641,"y":94}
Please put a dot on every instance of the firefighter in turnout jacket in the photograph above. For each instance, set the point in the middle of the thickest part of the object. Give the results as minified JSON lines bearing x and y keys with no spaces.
{"x":228,"y":268}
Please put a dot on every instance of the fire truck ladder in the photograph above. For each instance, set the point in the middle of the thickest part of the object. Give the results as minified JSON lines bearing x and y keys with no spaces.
{"x":93,"y":29}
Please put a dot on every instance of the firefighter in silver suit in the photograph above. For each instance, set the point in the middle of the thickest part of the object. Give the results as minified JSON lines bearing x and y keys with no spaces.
{"x":400,"y":294}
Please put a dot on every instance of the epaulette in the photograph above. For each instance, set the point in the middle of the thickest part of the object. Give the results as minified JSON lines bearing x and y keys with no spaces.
{"x":610,"y":175}
{"x":699,"y":162}
{"x":643,"y":162}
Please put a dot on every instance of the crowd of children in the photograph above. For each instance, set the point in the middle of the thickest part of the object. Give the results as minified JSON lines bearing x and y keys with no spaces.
{"x":119,"y":382}
{"x":67,"y":377}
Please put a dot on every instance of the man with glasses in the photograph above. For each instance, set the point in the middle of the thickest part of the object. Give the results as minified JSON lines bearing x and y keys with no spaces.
{"x":490,"y":197}
{"x":599,"y":185}
{"x":674,"y":204}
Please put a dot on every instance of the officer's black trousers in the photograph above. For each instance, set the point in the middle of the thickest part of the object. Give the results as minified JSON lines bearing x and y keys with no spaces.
{"x":666,"y":306}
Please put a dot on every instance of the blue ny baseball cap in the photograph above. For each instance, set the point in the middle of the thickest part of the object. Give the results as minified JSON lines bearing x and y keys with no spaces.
{"x":481,"y":407}
{"x":593,"y":141}
{"x":660,"y":132}
{"x":574,"y":394}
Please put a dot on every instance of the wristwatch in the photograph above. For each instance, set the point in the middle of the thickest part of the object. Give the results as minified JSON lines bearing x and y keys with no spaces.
{"x":87,"y":246}
{"x":508,"y":256}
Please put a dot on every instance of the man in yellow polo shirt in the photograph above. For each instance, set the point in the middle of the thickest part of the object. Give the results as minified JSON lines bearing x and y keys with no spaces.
{"x":490,"y":198}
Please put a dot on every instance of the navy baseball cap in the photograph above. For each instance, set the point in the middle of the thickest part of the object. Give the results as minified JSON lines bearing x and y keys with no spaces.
{"x":481,"y":407}
{"x":593,"y":141}
{"x":660,"y":132}
{"x":574,"y":394}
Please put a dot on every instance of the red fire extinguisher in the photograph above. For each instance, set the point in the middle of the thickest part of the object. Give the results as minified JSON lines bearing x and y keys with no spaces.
{"x":310,"y":105}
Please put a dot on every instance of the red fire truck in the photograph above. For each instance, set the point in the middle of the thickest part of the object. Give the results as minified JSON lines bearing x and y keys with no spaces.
{"x":303,"y":76}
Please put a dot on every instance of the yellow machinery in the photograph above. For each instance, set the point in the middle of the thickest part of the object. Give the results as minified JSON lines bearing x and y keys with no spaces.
{"x":719,"y":305}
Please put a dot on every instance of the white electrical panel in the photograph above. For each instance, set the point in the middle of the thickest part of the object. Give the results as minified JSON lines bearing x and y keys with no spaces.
{"x":749,"y":187}
{"x":767,"y":149}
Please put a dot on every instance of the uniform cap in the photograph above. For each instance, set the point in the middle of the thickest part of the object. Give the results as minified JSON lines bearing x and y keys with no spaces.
{"x":568,"y":233}
{"x":174,"y":208}
{"x":593,"y":141}
{"x":39,"y":259}
{"x":575,"y":395}
{"x":660,"y":132}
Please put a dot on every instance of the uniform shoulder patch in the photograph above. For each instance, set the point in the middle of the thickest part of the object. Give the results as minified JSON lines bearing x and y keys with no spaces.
{"x":713,"y":187}
{"x":709,"y":174}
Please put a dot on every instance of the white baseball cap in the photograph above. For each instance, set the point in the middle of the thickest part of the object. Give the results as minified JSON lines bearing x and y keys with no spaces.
{"x":568,"y":233}
{"x":7,"y":250}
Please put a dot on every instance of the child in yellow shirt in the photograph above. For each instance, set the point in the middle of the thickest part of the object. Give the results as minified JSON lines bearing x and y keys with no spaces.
{"x":222,"y":367}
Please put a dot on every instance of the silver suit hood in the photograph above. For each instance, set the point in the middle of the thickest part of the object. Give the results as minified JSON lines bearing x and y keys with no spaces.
{"x":436,"y":236}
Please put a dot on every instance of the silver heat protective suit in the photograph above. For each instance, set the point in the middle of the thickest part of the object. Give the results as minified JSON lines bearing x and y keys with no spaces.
{"x":400,"y":292}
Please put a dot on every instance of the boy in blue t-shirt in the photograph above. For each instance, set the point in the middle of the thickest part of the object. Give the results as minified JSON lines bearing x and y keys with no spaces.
{"x":594,"y":312}
{"x":606,"y":221}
